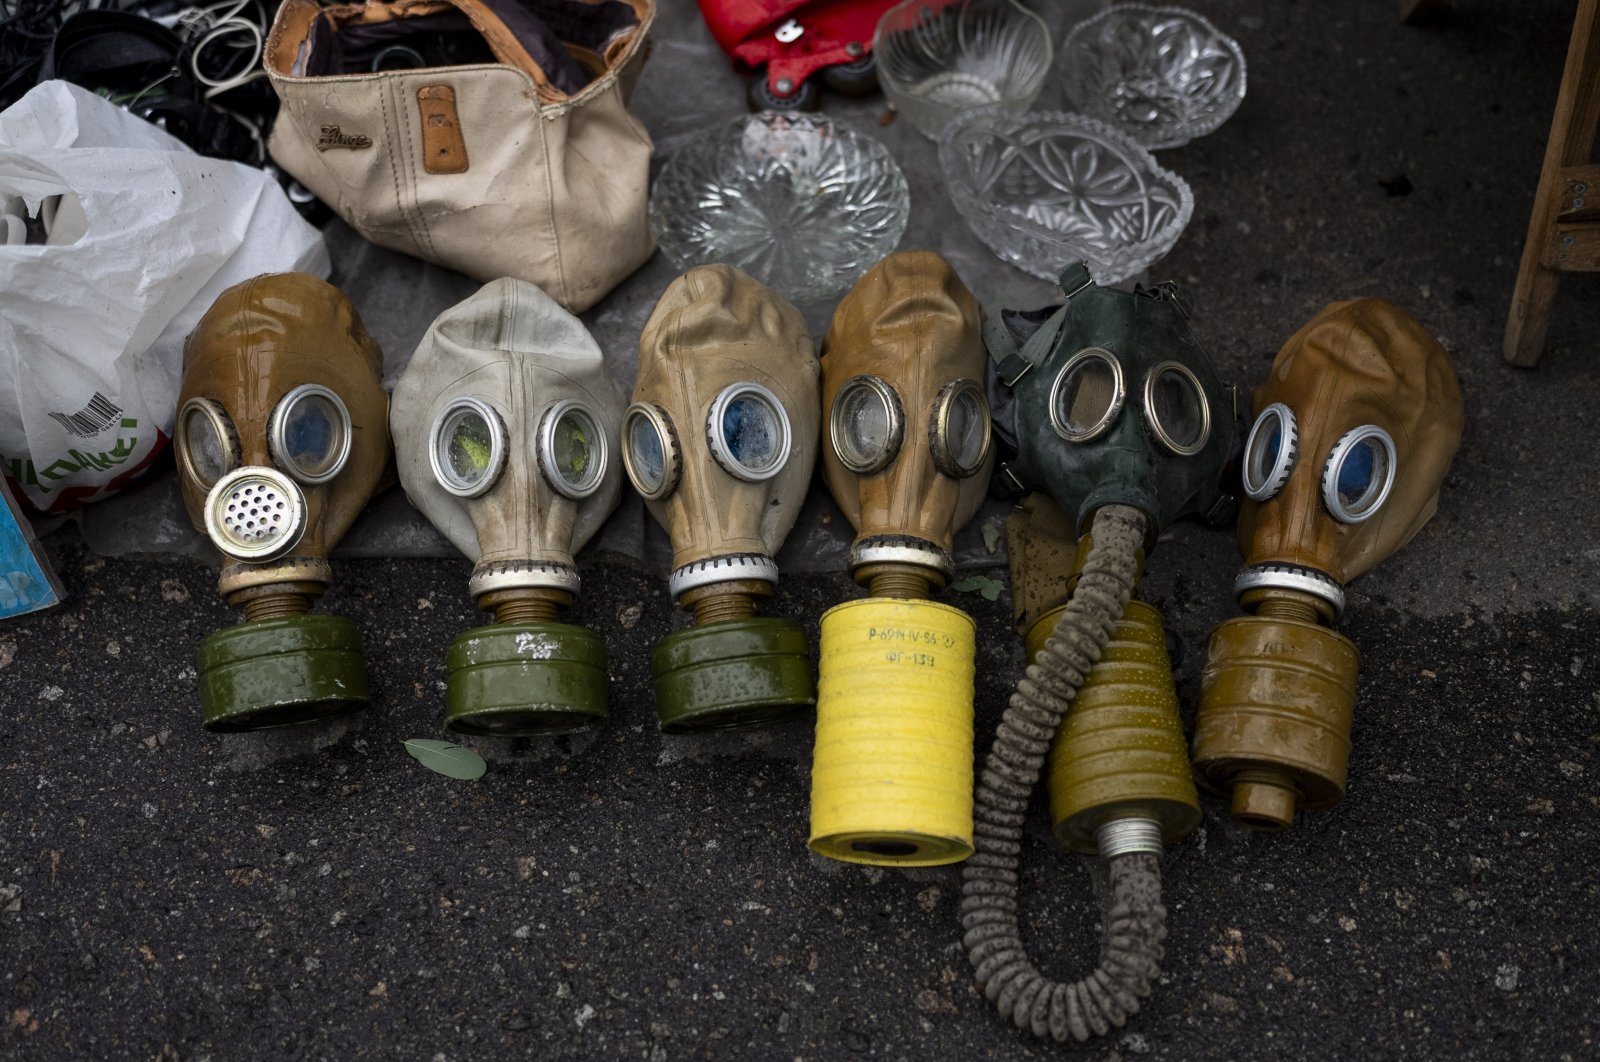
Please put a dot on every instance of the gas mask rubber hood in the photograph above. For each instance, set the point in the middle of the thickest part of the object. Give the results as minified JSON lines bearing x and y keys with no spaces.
{"x":1123,"y":427}
{"x":721,"y":440}
{"x":1355,"y":429}
{"x":907,"y":458}
{"x":282,"y":438}
{"x":505,"y":423}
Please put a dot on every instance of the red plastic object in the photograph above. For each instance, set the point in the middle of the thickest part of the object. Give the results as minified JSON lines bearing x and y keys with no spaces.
{"x":760,"y":33}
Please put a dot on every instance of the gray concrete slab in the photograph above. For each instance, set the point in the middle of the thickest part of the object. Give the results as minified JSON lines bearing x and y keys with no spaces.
{"x":165,"y":893}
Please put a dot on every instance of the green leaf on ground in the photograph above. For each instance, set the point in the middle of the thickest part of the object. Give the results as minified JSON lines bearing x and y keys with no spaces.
{"x":454,"y":761}
{"x":991,"y":589}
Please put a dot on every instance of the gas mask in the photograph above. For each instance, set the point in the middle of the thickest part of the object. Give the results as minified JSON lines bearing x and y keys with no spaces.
{"x":282,"y":437}
{"x":504,"y":424}
{"x":1354,"y":432}
{"x":720,"y":440}
{"x":907,"y":458}
{"x":1122,"y":426}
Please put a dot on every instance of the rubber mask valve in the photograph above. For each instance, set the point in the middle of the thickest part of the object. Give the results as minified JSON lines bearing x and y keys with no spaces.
{"x":1355,"y":429}
{"x":720,"y":439}
{"x":505,"y":423}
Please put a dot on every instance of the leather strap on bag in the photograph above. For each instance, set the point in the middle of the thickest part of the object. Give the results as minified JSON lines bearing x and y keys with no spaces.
{"x":443,"y":149}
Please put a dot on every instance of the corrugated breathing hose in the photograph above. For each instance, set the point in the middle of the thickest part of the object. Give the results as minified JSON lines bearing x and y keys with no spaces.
{"x":1135,"y":921}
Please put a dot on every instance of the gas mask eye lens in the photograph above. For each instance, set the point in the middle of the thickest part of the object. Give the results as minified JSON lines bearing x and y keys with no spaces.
{"x":651,"y":455}
{"x":1087,"y":396}
{"x":1359,"y":474}
{"x":960,"y":429}
{"x":1271,"y":452}
{"x":866,"y":425}
{"x":469,"y":448}
{"x":572,"y":449}
{"x":310,"y":434}
{"x":748,"y":432}
{"x":207,"y":441}
{"x":1176,"y":409}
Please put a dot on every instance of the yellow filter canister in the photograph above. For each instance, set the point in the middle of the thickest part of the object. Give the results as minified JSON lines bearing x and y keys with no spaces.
{"x":891,"y":778}
{"x":1120,"y":752}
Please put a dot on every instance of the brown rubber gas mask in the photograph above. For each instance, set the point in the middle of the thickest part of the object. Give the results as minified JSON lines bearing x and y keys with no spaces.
{"x":907,"y":454}
{"x":721,"y":441}
{"x":907,"y":457}
{"x":504,"y":425}
{"x":282,"y":438}
{"x":1355,"y":429}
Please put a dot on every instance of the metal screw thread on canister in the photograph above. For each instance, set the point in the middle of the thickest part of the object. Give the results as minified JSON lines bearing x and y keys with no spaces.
{"x":526,"y":605}
{"x":900,"y":581}
{"x":1274,"y":603}
{"x":1125,"y":836}
{"x":720,"y":602}
{"x":275,"y":606}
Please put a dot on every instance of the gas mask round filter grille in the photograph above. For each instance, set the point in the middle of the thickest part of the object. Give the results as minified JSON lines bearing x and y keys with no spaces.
{"x":866,"y":425}
{"x":255,"y":515}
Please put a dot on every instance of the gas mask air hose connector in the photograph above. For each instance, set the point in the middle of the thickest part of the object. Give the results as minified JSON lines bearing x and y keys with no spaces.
{"x":1135,"y":921}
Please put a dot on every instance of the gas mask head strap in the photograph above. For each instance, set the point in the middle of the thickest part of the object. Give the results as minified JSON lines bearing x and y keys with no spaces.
{"x":1012,"y":362}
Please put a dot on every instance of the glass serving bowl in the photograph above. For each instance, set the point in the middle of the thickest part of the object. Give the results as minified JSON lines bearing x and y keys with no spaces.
{"x":1046,"y":189}
{"x":937,"y":59}
{"x":1163,"y":75}
{"x":804,"y":205}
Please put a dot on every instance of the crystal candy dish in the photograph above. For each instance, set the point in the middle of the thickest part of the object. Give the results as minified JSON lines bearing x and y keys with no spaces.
{"x":937,"y":59}
{"x":1046,"y":189}
{"x":804,"y":205}
{"x":1163,"y":75}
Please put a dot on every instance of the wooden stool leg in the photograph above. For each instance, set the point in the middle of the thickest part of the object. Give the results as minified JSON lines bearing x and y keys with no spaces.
{"x":1572,"y":134}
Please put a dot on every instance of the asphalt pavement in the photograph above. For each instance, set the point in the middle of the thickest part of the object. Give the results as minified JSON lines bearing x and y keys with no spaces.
{"x":171,"y":894}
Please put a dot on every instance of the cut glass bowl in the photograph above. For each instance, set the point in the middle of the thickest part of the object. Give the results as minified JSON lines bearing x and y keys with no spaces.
{"x":802,"y":204}
{"x":937,"y":59}
{"x":1046,"y":189}
{"x":1163,"y":75}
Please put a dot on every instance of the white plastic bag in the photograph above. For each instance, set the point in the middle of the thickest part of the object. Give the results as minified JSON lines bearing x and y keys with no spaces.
{"x":91,"y":332}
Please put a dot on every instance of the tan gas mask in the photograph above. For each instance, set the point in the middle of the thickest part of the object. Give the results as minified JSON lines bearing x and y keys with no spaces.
{"x":721,"y":440}
{"x":504,"y":425}
{"x":907,"y":457}
{"x":1354,"y":432}
{"x":282,"y":438}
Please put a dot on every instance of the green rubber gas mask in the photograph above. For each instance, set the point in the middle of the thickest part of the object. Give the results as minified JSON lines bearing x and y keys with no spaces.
{"x":504,"y":425}
{"x":1355,"y":429}
{"x":1116,"y":403}
{"x":282,"y":438}
{"x":721,"y":439}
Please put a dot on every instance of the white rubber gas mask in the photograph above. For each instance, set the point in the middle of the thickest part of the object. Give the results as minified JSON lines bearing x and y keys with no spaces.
{"x":505,"y":425}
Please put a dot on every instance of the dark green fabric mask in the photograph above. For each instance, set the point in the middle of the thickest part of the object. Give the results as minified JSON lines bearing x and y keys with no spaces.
{"x":1116,"y":402}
